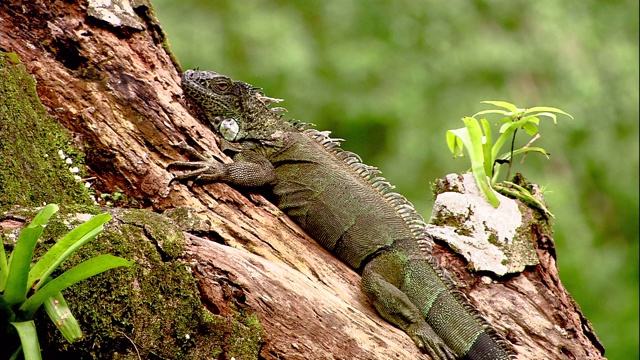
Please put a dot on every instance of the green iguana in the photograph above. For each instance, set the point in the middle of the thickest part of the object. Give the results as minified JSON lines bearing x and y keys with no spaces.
{"x":344,"y":205}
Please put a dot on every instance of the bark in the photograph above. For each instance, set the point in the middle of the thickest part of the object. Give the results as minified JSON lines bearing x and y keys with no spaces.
{"x":110,"y":80}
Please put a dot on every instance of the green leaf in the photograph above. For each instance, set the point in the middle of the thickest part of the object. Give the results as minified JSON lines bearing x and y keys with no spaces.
{"x":531,"y":119}
{"x":471,"y":137}
{"x":44,"y":215}
{"x":524,"y":150}
{"x":4,"y":268}
{"x":483,"y":182}
{"x":29,"y":339}
{"x":72,"y":276}
{"x":66,"y":246}
{"x":486,"y":147}
{"x":455,"y":146}
{"x":524,"y":195}
{"x":20,"y":260}
{"x":60,"y":314}
{"x":507,"y":156}
{"x":477,"y":159}
{"x":462,"y":134}
{"x":505,"y":134}
{"x":546,"y":109}
{"x":506,"y":130}
{"x":530,"y":127}
{"x":503,"y":104}
{"x":491,"y":111}
{"x":504,"y":127}
{"x":15,"y":291}
{"x":549,"y":115}
{"x":508,"y":119}
{"x":475,"y":137}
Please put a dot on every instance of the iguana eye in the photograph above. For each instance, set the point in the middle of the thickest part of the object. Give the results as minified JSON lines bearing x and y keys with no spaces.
{"x":229,"y":129}
{"x":222,"y":85}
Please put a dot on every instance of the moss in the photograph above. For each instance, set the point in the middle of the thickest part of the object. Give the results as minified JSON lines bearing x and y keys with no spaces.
{"x":151,"y":310}
{"x":247,"y":334}
{"x":154,"y":304}
{"x":32,"y":171}
{"x":493,"y":239}
{"x":446,"y":218}
{"x":167,"y":237}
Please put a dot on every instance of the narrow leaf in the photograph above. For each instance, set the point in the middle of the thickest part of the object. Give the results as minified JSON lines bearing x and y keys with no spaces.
{"x":455,"y":146}
{"x":20,"y":259}
{"x":477,"y":159}
{"x":508,"y":119}
{"x":531,"y":119}
{"x":504,"y":127}
{"x":506,"y":130}
{"x":66,"y":246}
{"x":462,"y":134}
{"x":525,"y":196}
{"x":475,"y":137}
{"x":29,"y":339}
{"x":486,"y":147}
{"x":19,"y":263}
{"x":483,"y":183}
{"x":4,"y":267}
{"x":507,"y":155}
{"x":60,"y":314}
{"x":72,"y":276}
{"x":491,"y":111}
{"x":503,"y":104}
{"x":44,"y":215}
{"x":549,"y":115}
{"x":547,"y":109}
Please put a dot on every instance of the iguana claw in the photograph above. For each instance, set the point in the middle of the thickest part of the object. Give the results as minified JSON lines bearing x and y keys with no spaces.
{"x":207,"y":167}
{"x":428,"y":341}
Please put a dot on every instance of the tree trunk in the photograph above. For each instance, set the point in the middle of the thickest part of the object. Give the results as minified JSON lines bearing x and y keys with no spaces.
{"x":105,"y":73}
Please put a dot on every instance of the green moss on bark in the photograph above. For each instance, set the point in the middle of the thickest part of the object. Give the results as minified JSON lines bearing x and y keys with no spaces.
{"x":154,"y":304}
{"x":151,"y":310}
{"x":31,"y":170}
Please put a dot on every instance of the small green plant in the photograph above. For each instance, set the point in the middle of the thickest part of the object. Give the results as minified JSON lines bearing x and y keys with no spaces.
{"x":486,"y":160}
{"x":24,"y":288}
{"x":116,"y":196}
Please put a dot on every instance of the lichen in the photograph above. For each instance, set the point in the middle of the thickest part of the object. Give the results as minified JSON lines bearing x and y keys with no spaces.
{"x":490,"y":239}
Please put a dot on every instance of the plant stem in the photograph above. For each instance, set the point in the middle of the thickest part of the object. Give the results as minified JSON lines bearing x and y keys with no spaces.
{"x":513,"y":144}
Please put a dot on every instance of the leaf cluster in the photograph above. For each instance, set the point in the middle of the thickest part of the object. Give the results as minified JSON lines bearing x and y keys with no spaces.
{"x":485,"y":155}
{"x":24,"y":288}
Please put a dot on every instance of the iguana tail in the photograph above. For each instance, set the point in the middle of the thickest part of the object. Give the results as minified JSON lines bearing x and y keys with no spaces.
{"x":408,"y":292}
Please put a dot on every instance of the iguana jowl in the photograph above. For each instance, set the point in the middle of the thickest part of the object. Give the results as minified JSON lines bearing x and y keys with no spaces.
{"x":345,"y":206}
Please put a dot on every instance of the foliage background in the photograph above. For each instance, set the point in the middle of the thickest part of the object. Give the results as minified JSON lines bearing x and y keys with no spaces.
{"x":393,"y":76}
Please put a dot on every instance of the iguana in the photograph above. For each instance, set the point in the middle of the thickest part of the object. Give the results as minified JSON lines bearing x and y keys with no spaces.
{"x":345,"y":206}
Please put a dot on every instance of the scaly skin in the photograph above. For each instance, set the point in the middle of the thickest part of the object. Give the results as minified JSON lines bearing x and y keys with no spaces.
{"x":343,"y":205}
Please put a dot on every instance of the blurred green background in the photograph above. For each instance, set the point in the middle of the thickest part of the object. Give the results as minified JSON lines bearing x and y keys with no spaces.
{"x":392,"y":76}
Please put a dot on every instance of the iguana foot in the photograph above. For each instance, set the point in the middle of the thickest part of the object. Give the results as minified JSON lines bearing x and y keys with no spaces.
{"x":207,"y":167}
{"x":428,"y":341}
{"x":191,"y":150}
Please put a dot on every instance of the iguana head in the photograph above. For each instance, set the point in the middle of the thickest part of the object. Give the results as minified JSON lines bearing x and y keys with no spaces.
{"x":234,"y":109}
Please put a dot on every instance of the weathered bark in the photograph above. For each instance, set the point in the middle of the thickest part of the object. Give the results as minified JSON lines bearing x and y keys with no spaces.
{"x":115,"y":86}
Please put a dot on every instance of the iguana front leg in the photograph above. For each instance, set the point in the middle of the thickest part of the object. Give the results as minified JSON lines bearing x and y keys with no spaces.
{"x":249,"y":169}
